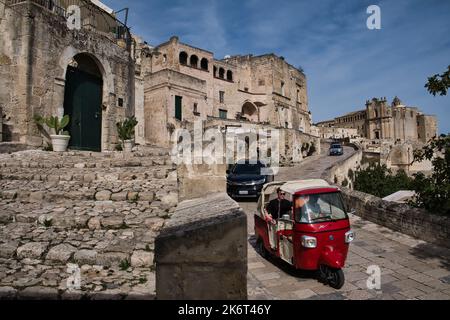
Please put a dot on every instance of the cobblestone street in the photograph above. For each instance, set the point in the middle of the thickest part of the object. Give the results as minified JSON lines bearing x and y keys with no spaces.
{"x":411,"y":269}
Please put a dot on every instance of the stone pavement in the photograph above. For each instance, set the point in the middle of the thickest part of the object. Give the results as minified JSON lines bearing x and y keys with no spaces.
{"x":410,"y":268}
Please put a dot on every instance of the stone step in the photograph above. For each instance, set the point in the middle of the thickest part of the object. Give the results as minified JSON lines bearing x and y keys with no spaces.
{"x":76,"y":215}
{"x":80,"y":163}
{"x":99,"y":190}
{"x":87,"y":174}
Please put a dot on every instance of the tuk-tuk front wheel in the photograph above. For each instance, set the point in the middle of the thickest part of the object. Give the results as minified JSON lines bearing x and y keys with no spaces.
{"x":333,"y":277}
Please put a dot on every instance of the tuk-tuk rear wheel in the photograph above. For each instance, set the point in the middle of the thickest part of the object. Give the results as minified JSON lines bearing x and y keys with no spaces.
{"x":261,"y":249}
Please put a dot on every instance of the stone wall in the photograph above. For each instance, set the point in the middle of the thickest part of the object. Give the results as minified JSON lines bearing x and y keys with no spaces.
{"x":400,"y":217}
{"x":343,"y":171}
{"x":201,"y":253}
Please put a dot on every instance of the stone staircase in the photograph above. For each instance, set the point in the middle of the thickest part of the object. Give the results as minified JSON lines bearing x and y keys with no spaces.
{"x":98,"y":211}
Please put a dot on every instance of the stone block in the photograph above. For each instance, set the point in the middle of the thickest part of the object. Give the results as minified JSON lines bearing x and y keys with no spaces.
{"x":32,"y":250}
{"x":113,"y":222}
{"x":86,"y":257}
{"x":103,"y":195}
{"x":202,"y":252}
{"x":142,"y":259}
{"x":61,"y":253}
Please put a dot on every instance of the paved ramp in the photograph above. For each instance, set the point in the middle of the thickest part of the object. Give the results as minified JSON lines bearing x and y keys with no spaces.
{"x":411,"y":269}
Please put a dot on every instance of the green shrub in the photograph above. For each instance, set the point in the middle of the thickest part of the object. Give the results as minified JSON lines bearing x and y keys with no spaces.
{"x":125,"y":129}
{"x":379,"y":181}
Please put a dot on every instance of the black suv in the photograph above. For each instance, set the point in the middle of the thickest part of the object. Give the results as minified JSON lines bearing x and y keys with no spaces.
{"x":246,"y":179}
{"x":336,"y":149}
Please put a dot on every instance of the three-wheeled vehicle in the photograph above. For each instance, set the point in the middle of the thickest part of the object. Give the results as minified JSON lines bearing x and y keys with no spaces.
{"x":314,"y":235}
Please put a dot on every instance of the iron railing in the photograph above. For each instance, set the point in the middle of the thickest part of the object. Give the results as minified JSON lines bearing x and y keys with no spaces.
{"x":92,"y":17}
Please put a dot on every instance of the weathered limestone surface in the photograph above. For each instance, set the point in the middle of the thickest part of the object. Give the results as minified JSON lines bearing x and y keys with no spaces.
{"x":50,"y":218}
{"x":202,"y":251}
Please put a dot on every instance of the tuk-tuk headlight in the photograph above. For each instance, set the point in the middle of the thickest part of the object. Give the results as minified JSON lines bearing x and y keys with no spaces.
{"x":309,"y":242}
{"x":349,"y":236}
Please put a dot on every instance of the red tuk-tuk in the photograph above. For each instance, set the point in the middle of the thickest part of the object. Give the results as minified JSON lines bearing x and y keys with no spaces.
{"x":314,"y":235}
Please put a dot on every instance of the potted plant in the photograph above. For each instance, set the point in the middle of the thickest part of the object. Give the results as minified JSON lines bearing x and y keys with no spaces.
{"x":60,"y":140}
{"x":125,"y":130}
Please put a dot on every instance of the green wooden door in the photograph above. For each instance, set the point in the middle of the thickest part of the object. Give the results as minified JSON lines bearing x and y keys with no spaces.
{"x":82,"y":101}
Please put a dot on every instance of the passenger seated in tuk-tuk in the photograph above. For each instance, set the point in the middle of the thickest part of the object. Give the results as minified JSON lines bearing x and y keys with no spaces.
{"x":278,"y":207}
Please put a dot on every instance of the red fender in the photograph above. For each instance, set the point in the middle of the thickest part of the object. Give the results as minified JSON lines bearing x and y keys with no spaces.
{"x":332,"y":258}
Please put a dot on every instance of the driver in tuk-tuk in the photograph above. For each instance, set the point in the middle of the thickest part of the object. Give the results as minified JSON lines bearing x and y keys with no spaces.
{"x":308,"y":207}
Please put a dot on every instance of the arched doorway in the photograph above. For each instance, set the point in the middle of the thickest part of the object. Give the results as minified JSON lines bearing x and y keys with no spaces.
{"x":83,"y":102}
{"x":250,"y":112}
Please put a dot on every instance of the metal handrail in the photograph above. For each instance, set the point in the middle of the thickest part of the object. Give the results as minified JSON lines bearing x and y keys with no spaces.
{"x":92,"y":16}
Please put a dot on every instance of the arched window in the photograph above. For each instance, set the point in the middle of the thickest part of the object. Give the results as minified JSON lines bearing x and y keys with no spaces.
{"x":183,"y":57}
{"x":194,"y":61}
{"x":215,"y":71}
{"x":229,"y":75}
{"x":204,"y":64}
{"x":222,"y":73}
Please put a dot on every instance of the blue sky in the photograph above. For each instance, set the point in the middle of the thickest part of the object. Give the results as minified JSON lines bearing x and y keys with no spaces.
{"x":345,"y":62}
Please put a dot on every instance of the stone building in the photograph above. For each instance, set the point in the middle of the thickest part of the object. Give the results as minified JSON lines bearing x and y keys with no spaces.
{"x":396,"y":122}
{"x":184,"y":84}
{"x":47,"y":68}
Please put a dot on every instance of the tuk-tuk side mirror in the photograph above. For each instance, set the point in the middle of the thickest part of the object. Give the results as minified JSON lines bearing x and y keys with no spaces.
{"x":286,"y":217}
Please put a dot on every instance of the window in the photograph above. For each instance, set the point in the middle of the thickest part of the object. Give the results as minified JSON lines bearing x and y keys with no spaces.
{"x":221,"y":96}
{"x":183,"y":57}
{"x":215,"y":71}
{"x":120,"y":102}
{"x":164,"y":58}
{"x":319,"y":208}
{"x":298,"y":95}
{"x":223,"y":114}
{"x":229,"y":75}
{"x":194,"y":61}
{"x":204,"y":64}
{"x":221,"y":73}
{"x":261,"y":82}
{"x":196,"y":109}
{"x":282,"y":88}
{"x":178,"y":108}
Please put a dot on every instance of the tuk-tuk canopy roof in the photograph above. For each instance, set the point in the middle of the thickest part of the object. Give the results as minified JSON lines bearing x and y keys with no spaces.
{"x":294,"y":187}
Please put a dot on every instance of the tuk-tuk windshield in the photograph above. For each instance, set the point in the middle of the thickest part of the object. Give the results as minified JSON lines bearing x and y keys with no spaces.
{"x":317,"y":208}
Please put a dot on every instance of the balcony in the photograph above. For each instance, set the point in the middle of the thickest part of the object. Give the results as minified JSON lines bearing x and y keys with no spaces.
{"x":93,"y":18}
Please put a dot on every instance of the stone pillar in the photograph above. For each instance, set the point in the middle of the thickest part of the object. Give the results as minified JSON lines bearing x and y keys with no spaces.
{"x":198,"y":180}
{"x":201,"y":254}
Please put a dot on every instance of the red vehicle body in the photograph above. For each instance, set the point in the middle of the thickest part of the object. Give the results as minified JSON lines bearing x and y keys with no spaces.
{"x":305,"y":243}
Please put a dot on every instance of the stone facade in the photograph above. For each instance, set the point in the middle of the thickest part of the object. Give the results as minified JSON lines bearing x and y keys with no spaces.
{"x":397,"y":122}
{"x":337,"y":133}
{"x":36,"y":48}
{"x":258,"y":89}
